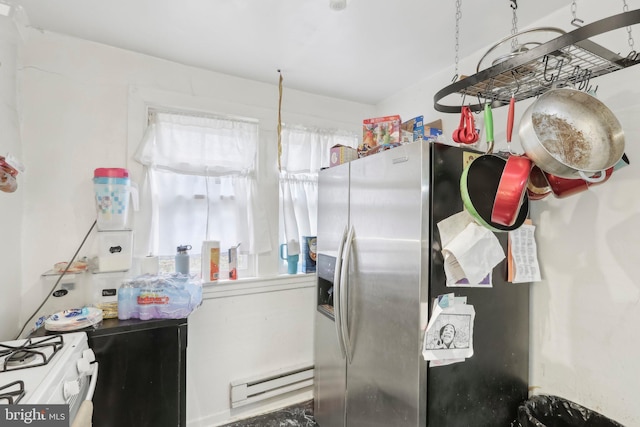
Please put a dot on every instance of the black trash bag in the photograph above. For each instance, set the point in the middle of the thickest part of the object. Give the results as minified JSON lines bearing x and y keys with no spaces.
{"x":553,"y":411}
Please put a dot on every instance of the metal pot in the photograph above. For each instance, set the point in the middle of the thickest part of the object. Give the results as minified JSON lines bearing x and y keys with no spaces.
{"x":571,"y":134}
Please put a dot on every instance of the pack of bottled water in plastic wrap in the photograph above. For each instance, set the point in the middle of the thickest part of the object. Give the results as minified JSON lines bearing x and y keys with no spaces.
{"x":163,"y":296}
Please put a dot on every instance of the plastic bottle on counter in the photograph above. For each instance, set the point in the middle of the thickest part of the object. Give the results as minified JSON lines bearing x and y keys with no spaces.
{"x":146,"y":309}
{"x":127,"y":302}
{"x":182,"y":259}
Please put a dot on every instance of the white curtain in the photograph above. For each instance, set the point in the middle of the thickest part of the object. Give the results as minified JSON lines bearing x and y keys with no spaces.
{"x":200,"y":184}
{"x":304,"y":152}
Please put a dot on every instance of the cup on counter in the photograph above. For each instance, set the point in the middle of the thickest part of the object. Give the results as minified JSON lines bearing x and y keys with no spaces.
{"x":292,"y":260}
{"x":309,"y":249}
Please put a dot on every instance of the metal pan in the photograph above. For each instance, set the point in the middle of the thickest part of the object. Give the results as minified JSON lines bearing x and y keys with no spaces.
{"x":571,"y":134}
{"x":512,"y":188}
{"x":479,"y":185}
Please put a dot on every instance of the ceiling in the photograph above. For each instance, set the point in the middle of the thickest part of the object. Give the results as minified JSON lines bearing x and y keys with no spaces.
{"x":363,"y":53}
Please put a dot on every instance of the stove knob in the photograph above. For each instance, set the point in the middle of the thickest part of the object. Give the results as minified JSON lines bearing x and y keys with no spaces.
{"x":84,"y":367}
{"x":70,"y":388}
{"x":89,"y":355}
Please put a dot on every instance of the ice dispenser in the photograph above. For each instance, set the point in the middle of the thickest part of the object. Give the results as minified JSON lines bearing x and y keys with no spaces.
{"x":326,"y":274}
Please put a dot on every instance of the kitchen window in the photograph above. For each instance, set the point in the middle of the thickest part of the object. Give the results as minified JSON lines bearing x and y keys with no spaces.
{"x":200,"y":184}
{"x":304,"y":152}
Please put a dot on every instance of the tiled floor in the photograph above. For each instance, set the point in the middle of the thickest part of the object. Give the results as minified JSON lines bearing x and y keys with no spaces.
{"x":300,"y":415}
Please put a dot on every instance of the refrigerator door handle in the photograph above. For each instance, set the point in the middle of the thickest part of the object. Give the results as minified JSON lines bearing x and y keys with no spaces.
{"x":344,"y":292}
{"x":337,"y":292}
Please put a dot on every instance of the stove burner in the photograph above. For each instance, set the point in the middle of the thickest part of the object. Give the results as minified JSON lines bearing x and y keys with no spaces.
{"x":20,"y":356}
{"x":14,"y":395}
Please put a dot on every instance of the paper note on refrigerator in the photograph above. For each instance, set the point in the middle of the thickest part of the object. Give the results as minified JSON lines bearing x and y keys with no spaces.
{"x":450,"y":227}
{"x":472,"y":254}
{"x":523,"y":254}
{"x":449,"y":333}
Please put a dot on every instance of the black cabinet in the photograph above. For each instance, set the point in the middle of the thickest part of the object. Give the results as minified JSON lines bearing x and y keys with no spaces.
{"x":142,"y":376}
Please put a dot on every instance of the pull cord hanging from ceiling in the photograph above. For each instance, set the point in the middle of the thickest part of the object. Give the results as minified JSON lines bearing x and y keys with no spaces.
{"x":280,"y":121}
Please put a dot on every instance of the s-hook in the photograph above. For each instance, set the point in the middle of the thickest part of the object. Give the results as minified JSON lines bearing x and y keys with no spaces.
{"x":515,"y":79}
{"x":552,"y":77}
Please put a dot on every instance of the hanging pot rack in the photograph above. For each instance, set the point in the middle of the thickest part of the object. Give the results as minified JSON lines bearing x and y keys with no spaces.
{"x":535,"y":71}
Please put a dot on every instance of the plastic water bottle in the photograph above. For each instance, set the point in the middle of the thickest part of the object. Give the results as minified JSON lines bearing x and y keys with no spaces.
{"x":126,"y":302}
{"x":182,"y":259}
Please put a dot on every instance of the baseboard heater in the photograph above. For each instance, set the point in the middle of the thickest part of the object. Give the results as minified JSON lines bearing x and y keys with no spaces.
{"x":255,"y":389}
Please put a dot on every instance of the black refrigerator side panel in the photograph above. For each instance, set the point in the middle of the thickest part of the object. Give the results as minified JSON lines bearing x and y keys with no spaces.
{"x":142,"y":378}
{"x":486,"y":389}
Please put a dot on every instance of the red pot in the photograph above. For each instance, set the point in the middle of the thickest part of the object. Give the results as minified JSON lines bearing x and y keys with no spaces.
{"x":538,"y":187}
{"x":564,"y":187}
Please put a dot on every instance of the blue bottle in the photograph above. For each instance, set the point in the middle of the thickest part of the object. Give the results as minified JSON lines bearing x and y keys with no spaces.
{"x":182,"y":259}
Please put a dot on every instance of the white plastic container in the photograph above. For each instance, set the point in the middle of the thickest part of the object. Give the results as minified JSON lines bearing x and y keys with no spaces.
{"x":115,"y":249}
{"x":104,"y":287}
{"x":113,"y":191}
{"x":70,"y":292}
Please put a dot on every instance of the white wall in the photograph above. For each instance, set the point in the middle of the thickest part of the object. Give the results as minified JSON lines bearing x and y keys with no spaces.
{"x":11,"y":204}
{"x":76,"y":117}
{"x":585,"y":312}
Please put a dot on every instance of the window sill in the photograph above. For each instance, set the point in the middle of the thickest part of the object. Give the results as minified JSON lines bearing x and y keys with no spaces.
{"x":257,"y":285}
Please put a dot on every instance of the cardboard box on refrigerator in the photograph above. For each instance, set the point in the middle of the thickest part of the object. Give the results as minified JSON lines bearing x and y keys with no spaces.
{"x":415,"y":130}
{"x":340,"y":154}
{"x":379,"y":131}
{"x":432,"y":130}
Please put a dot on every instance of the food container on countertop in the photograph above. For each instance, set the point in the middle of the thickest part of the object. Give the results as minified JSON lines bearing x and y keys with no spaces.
{"x":113,"y":192}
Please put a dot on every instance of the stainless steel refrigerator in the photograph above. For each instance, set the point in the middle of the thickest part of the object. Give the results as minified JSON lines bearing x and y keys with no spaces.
{"x":379,"y":269}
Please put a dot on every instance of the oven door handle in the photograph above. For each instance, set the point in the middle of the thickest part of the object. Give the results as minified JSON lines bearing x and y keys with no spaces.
{"x":92,"y":384}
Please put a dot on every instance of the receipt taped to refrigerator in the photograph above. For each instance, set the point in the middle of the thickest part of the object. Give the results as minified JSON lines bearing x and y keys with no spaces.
{"x":449,"y":334}
{"x":522,"y":255}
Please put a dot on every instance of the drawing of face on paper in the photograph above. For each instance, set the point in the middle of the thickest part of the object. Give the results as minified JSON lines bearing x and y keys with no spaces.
{"x":450,"y":331}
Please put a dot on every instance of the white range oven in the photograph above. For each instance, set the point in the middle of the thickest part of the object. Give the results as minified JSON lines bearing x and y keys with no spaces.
{"x":50,"y":369}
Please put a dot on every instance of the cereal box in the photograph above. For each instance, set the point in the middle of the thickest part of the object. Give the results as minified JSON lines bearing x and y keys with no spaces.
{"x":415,"y":130}
{"x":379,"y":131}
